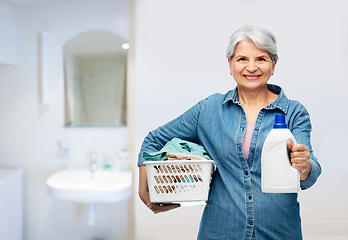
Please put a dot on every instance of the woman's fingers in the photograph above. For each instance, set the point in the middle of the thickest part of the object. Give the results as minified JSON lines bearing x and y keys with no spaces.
{"x":299,"y":157}
{"x":158,"y":208}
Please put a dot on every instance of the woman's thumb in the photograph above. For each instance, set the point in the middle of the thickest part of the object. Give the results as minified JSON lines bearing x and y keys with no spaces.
{"x":290,"y":145}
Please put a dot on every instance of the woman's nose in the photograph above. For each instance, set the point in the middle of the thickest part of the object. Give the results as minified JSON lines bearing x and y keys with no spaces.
{"x":251,"y":67}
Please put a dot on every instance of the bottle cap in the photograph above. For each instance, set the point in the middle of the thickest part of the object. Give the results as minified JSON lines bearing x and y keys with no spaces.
{"x":279,"y":121}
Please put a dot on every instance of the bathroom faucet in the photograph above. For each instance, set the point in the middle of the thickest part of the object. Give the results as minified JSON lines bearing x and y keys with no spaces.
{"x":94,"y":163}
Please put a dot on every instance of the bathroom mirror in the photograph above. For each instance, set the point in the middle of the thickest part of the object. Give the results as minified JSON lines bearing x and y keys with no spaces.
{"x":95,"y":66}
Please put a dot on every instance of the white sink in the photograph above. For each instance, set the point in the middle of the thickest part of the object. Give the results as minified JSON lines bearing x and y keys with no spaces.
{"x":79,"y":186}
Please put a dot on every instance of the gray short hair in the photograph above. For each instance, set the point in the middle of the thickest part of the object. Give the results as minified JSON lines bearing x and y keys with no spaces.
{"x":262,"y":38}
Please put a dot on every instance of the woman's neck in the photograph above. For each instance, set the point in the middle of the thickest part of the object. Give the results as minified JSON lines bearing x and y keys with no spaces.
{"x":254,"y":101}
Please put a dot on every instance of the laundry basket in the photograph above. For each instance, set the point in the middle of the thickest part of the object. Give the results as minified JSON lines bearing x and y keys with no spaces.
{"x":177,"y":181}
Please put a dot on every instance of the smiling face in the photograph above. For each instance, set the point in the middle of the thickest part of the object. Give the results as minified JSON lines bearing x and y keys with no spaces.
{"x":251,"y":67}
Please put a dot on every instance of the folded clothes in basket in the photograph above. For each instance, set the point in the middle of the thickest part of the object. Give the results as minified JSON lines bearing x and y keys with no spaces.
{"x":178,"y":149}
{"x":183,"y":156}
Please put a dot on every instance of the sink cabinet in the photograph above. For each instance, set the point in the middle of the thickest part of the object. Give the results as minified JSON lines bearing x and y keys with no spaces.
{"x":11,"y":204}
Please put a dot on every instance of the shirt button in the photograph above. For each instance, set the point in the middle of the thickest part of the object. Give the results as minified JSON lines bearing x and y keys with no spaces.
{"x":251,"y":222}
{"x":246,"y":173}
{"x":250,"y":197}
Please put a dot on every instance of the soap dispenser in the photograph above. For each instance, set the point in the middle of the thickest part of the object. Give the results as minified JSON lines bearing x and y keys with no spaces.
{"x":109,"y":162}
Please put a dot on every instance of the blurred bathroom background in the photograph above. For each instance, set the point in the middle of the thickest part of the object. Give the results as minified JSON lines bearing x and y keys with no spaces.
{"x":176,"y":57}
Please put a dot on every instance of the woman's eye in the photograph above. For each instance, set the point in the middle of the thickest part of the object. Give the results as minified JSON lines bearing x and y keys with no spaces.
{"x":241,"y":59}
{"x":261,"y":59}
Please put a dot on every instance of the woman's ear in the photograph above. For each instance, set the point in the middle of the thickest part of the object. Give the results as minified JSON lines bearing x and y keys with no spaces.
{"x":230,"y":65}
{"x":273,"y":66}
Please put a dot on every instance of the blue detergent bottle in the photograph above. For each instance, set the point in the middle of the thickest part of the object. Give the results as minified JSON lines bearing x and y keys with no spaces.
{"x":277,"y":174}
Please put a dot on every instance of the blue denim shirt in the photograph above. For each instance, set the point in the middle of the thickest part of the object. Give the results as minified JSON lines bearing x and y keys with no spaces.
{"x":236,"y":207}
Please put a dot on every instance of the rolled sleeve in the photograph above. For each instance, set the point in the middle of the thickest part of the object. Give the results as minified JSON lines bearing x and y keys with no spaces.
{"x":313,"y":176}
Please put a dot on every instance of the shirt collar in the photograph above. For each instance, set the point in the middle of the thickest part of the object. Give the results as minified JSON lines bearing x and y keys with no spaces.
{"x":282,"y":102}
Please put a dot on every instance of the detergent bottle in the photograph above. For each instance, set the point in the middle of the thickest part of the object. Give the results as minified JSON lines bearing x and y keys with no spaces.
{"x":277,"y":174}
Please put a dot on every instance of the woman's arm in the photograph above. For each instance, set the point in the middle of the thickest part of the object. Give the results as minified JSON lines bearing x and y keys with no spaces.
{"x":302,"y":156}
{"x":183,"y":127}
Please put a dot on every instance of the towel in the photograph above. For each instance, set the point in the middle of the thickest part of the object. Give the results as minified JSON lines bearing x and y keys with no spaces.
{"x":178,"y":149}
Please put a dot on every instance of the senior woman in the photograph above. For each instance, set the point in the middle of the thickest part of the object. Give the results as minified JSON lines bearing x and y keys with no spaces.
{"x":233,"y":127}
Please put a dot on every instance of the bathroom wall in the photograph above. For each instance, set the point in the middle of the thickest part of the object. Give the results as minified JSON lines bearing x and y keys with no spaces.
{"x":180,"y":59}
{"x":9,"y":33}
{"x":29,"y":130}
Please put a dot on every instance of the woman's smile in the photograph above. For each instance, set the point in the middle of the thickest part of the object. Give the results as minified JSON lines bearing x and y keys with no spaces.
{"x":251,"y":77}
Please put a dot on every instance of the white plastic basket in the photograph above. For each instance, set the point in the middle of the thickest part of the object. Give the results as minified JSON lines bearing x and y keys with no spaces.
{"x":176,"y":181}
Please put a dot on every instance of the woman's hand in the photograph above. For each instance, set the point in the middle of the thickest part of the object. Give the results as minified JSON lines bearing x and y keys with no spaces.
{"x":299,"y":157}
{"x":145,"y":197}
